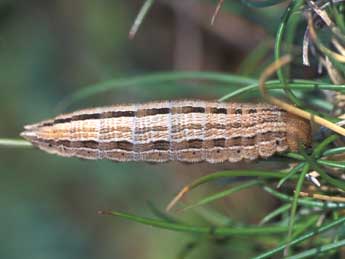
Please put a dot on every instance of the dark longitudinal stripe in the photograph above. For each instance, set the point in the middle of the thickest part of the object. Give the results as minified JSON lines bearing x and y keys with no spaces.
{"x":195,"y":143}
{"x":123,"y":145}
{"x":220,"y":142}
{"x":129,"y":146}
{"x":117,"y":114}
{"x":62,"y":120}
{"x":192,"y":109}
{"x":268,"y":135}
{"x":237,"y":141}
{"x":155,"y":111}
{"x":86,"y":143}
{"x":216,"y":110}
{"x":86,"y":117}
{"x":47,"y":124}
{"x":162,"y":144}
{"x":93,"y":116}
{"x":277,"y":109}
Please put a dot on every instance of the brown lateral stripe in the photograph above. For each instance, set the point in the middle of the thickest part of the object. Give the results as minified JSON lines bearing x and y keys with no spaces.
{"x":162,"y":144}
{"x":195,"y":143}
{"x":237,"y":141}
{"x":159,"y":145}
{"x":91,"y":144}
{"x":122,"y":145}
{"x":220,"y":142}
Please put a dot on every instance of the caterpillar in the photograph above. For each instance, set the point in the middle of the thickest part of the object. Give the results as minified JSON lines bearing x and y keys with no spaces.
{"x":182,"y":130}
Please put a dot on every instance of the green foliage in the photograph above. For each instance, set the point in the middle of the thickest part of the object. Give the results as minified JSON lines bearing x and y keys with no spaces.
{"x":261,"y":3}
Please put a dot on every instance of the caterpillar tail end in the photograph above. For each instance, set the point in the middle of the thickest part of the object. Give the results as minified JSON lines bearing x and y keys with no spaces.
{"x":298,"y":132}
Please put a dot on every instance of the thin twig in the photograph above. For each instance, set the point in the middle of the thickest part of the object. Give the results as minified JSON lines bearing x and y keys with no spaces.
{"x":306,"y":43}
{"x":140,"y":17}
{"x":338,"y":46}
{"x":11,"y":143}
{"x":323,"y":197}
{"x":216,"y":12}
{"x":177,"y":198}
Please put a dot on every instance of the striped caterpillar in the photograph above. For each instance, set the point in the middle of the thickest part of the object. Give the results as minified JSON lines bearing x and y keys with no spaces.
{"x":185,"y":130}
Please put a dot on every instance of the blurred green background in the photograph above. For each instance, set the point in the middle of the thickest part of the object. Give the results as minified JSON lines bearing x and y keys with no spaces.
{"x":51,"y":49}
